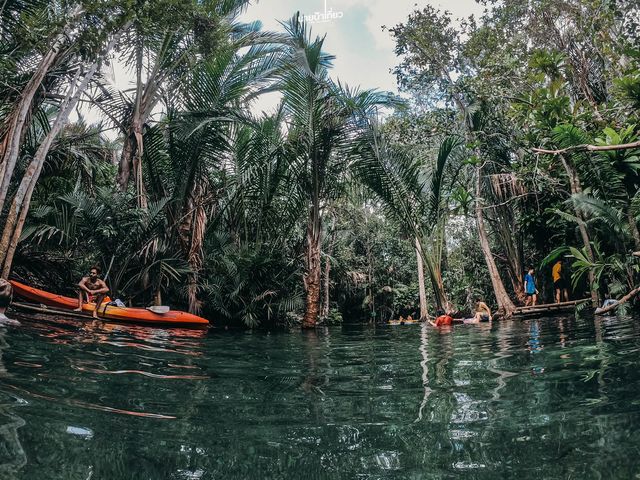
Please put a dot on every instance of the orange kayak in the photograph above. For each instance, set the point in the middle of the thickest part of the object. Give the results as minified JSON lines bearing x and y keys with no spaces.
{"x":110,"y":312}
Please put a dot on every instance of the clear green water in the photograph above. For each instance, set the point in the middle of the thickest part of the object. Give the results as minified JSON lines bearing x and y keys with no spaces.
{"x":531,"y":399}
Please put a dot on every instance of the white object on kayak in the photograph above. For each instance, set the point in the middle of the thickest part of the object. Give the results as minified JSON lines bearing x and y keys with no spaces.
{"x":159,"y":309}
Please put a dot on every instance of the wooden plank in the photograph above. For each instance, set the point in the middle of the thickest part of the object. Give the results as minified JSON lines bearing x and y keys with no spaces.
{"x":556,"y":305}
{"x":549,"y":312}
{"x":50,"y":310}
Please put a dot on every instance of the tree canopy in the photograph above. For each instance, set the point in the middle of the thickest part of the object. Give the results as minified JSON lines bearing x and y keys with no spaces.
{"x":516,"y":143}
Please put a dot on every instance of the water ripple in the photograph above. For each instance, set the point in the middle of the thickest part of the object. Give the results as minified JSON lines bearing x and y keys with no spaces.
{"x":545,"y":398}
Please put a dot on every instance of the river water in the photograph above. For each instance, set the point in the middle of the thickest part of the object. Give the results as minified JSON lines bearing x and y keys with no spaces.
{"x":541,"y":399}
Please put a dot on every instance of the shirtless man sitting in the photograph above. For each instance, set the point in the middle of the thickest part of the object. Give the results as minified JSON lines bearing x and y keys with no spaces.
{"x":483,"y":313}
{"x":94,"y":288}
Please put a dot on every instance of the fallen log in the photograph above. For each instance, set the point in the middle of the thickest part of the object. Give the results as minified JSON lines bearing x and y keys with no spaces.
{"x":554,"y":305}
{"x":625,"y":299}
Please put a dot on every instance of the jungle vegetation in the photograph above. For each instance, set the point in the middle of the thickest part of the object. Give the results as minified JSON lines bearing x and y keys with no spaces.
{"x":516,"y":141}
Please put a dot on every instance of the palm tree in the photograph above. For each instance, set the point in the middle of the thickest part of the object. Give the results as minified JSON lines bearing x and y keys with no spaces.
{"x":324,"y":121}
{"x":163,"y":52}
{"x":190,"y":153}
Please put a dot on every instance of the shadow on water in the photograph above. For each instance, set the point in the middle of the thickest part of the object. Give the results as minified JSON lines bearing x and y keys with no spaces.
{"x":544,"y":398}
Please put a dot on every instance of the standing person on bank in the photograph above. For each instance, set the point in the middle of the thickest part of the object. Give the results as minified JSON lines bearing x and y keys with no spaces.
{"x":530,"y":289}
{"x":94,"y":288}
{"x":559,"y":282}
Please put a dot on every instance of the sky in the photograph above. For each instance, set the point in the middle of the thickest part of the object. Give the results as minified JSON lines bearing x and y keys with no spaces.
{"x":364,"y":52}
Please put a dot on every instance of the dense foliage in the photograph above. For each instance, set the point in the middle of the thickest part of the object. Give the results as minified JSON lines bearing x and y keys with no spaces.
{"x":506,"y":155}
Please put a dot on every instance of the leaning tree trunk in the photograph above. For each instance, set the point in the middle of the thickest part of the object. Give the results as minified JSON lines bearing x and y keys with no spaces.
{"x":20,"y":205}
{"x":313,"y":269}
{"x":424,"y":313}
{"x":625,"y":299}
{"x":576,"y":188}
{"x":504,"y":302}
{"x":18,"y":118}
{"x":502,"y":224}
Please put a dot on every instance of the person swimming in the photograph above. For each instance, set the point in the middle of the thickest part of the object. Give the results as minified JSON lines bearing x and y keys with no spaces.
{"x":442,"y":320}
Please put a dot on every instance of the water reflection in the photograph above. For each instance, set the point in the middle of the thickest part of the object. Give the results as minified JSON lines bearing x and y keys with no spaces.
{"x":424,"y":360}
{"x":12,"y":456}
{"x":544,"y":398}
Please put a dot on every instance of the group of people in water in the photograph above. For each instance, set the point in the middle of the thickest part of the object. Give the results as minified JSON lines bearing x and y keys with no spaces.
{"x":483,"y":312}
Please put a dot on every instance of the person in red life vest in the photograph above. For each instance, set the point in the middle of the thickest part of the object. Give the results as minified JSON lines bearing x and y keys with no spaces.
{"x":442,"y":319}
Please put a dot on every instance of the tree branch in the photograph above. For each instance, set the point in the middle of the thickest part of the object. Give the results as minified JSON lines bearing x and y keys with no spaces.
{"x":589,"y":148}
{"x":626,"y":298}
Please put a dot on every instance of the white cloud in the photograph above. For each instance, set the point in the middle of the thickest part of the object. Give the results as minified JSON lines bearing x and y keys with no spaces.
{"x":369,"y":66}
{"x":364,"y":52}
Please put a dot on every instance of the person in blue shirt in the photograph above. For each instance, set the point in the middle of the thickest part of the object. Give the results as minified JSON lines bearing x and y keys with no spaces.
{"x":530,"y":289}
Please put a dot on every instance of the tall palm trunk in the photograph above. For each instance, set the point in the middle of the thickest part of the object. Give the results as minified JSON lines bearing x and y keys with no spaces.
{"x":19,"y":117}
{"x":437,"y":284}
{"x":196,"y":255}
{"x":145,"y":101}
{"x":133,"y":148}
{"x":313,"y":268}
{"x":432,"y":260}
{"x":504,"y":302}
{"x":132,"y":152}
{"x":191,"y":232}
{"x":422,"y":293}
{"x":576,"y":188}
